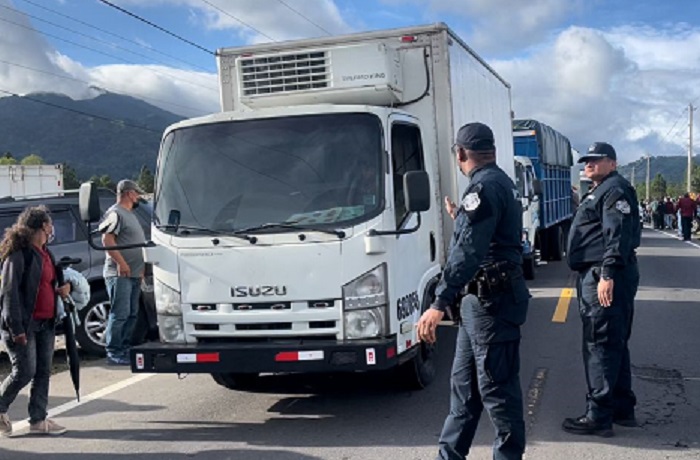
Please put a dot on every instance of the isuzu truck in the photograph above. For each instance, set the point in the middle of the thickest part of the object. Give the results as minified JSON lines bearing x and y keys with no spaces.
{"x":302,"y":228}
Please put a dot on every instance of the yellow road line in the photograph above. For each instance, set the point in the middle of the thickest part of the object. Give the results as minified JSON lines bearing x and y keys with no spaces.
{"x":563,"y":306}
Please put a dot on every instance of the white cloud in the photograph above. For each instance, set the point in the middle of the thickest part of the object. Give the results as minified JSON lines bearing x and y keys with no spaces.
{"x":32,"y":65}
{"x":273,"y":22}
{"x":22,"y":49}
{"x":29,"y":64}
{"x":503,"y":26}
{"x":592,"y":85}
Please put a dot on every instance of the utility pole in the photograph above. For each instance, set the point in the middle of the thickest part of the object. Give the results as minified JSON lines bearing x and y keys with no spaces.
{"x":648,"y":176}
{"x":690,"y":144}
{"x":632,"y":178}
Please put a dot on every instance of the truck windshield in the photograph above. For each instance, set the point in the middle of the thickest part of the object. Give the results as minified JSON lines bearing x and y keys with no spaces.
{"x":324,"y":170}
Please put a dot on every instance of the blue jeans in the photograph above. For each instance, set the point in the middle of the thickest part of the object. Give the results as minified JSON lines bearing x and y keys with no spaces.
{"x":124,"y":296}
{"x":30,"y":363}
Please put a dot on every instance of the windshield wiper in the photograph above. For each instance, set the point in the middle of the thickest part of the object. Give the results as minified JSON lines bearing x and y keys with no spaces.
{"x":187,"y":229}
{"x":293,"y":226}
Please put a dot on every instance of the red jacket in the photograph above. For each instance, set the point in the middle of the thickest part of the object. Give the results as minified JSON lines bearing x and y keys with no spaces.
{"x":687,"y":207}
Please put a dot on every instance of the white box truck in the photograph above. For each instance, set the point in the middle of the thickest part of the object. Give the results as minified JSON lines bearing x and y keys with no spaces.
{"x":30,"y":180}
{"x":286,"y":237}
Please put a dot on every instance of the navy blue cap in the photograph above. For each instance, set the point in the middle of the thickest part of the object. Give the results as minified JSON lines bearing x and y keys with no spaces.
{"x":476,"y":136}
{"x":599,"y":150}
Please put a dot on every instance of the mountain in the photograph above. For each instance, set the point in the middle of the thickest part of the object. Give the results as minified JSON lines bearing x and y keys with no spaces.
{"x":118,"y":137}
{"x":673,"y":168}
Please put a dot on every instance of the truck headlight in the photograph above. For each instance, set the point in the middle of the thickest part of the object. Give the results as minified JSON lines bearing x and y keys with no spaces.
{"x":366,"y":291}
{"x":363,"y":324}
{"x":167,"y":300}
{"x":365,"y":301}
{"x":171,"y":329}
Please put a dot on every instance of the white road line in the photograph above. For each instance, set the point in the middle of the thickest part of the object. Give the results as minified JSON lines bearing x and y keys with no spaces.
{"x":19,"y":426}
{"x":677,"y":238}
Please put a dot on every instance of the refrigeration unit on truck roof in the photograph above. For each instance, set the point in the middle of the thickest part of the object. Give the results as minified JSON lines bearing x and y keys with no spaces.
{"x":358,"y":74}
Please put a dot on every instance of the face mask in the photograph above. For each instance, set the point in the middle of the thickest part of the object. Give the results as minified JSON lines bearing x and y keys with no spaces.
{"x":135,"y":204}
{"x":49,"y":237}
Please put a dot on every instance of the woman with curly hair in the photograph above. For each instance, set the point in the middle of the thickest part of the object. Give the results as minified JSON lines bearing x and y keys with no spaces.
{"x":30,"y":284}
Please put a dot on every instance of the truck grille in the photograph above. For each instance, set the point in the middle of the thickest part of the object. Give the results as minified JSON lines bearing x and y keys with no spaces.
{"x":283,"y":73}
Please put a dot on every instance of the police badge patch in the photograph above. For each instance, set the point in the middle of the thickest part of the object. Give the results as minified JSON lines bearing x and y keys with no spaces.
{"x":623,"y":206}
{"x":471,"y":201}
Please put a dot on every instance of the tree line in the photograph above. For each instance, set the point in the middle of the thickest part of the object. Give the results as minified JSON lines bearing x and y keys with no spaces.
{"x":660,"y":188}
{"x":71,"y":181}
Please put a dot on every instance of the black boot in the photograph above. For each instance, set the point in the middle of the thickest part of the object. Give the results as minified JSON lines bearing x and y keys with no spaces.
{"x":584,"y":425}
{"x":628,"y":420}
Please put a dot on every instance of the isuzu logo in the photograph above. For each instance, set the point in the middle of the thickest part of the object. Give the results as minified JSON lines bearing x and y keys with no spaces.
{"x":258,"y":291}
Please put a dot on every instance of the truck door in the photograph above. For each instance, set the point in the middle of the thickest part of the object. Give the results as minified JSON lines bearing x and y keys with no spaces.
{"x":414,"y":253}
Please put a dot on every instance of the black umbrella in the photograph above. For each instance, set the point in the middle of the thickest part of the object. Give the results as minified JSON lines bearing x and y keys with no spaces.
{"x":69,"y":322}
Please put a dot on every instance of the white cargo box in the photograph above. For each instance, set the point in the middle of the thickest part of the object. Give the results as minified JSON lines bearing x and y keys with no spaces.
{"x":29,"y":180}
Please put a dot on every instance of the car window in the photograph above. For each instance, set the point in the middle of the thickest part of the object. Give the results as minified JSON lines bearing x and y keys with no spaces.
{"x":66,"y":227}
{"x":7,"y":220}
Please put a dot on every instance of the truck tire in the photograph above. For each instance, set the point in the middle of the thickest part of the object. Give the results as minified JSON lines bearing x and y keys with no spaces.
{"x":93,"y":324}
{"x":529,"y":268}
{"x":235,"y":381}
{"x":420,"y":371}
{"x":556,"y":243}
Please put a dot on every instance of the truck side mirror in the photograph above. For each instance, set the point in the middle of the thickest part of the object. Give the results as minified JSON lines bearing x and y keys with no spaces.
{"x":537,"y":186}
{"x":416,"y":189}
{"x":89,"y":202}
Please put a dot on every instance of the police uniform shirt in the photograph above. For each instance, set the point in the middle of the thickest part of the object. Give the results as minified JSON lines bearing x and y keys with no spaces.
{"x":488,"y":228}
{"x":606,"y":228}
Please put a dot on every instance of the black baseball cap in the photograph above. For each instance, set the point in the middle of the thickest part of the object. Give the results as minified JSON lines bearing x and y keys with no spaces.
{"x":599,"y":150}
{"x":476,"y":136}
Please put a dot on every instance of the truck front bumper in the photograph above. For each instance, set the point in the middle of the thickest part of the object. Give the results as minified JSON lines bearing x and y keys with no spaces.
{"x":281,"y":356}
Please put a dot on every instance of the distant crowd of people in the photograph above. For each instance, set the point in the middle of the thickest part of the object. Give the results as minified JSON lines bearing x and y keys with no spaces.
{"x":671,"y":213}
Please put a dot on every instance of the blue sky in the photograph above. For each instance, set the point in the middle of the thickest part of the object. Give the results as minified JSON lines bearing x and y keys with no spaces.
{"x":621,"y":71}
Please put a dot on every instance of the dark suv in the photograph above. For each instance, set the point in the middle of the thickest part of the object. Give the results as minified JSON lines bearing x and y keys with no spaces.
{"x":71,"y":241}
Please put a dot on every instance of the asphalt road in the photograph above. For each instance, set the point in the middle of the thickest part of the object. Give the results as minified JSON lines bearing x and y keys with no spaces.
{"x":365,"y":417}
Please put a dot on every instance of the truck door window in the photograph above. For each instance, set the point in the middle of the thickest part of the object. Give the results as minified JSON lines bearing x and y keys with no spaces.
{"x":406,"y":155}
{"x":66,"y":227}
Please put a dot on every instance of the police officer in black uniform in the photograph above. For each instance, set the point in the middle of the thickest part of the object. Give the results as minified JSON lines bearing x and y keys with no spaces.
{"x":602,"y":242}
{"x":484,"y":262}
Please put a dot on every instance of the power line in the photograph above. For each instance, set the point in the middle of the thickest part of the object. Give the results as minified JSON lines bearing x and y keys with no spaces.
{"x":304,"y":16}
{"x":80,"y":112}
{"x":236,"y":19}
{"x":674,"y":124}
{"x":134,"y":42}
{"x":106,"y":54}
{"x":114,"y":45}
{"x":65,"y":77}
{"x":172,"y":34}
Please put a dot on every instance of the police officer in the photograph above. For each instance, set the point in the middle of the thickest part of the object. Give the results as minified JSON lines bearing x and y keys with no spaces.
{"x":602,"y":242}
{"x":485,"y":257}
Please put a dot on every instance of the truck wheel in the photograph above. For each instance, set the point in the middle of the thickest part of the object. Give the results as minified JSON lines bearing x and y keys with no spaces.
{"x":235,"y":381}
{"x":556,"y":243}
{"x":420,"y":371}
{"x":93,"y":324}
{"x":529,"y":268}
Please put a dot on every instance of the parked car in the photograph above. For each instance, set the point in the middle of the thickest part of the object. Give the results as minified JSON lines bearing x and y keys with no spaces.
{"x":71,"y":242}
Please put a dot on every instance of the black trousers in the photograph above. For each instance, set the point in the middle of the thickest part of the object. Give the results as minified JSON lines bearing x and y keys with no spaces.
{"x":485,"y":376}
{"x":606,"y":333}
{"x":686,"y":226}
